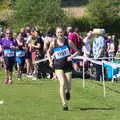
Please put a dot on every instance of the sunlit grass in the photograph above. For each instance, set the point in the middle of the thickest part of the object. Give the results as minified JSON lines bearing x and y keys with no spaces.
{"x":39,"y":100}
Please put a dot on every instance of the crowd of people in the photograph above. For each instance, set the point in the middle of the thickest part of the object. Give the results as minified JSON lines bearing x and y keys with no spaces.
{"x":30,"y":45}
{"x":21,"y":50}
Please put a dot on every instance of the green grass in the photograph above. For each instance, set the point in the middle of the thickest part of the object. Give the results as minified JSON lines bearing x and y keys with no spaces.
{"x":39,"y":100}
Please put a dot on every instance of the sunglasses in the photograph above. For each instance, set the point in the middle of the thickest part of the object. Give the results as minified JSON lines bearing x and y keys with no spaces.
{"x":8,"y":33}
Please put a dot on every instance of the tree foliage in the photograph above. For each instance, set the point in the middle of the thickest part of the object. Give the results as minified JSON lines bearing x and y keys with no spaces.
{"x":38,"y":13}
{"x":5,"y":4}
{"x":5,"y":11}
{"x":103,"y":12}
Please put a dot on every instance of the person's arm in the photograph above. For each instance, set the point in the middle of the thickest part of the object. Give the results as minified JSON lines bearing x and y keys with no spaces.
{"x":49,"y":54}
{"x":112,"y":47}
{"x":29,"y":39}
{"x":72,"y":45}
{"x":102,"y":46}
{"x":24,"y":46}
{"x":14,"y":46}
{"x":39,"y":44}
{"x":46,"y":44}
{"x":108,"y":46}
{"x":93,"y":48}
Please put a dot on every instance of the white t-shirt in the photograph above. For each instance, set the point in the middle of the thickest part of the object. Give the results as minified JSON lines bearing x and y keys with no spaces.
{"x":86,"y":49}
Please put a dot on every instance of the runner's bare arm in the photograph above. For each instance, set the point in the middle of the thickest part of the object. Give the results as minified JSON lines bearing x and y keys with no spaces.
{"x":49,"y":54}
{"x":72,"y":45}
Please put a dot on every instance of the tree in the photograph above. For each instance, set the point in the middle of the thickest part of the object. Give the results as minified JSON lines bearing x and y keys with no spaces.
{"x":38,"y":13}
{"x":5,"y":4}
{"x":103,"y":12}
{"x":5,"y":11}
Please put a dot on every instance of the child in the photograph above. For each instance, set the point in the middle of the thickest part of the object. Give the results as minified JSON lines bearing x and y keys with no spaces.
{"x":20,"y":54}
{"x":117,"y":60}
{"x":118,"y":52}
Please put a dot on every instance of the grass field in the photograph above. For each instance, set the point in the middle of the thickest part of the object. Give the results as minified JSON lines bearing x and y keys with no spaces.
{"x":39,"y":100}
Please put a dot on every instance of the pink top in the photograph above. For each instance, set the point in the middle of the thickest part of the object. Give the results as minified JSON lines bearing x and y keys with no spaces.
{"x":74,"y":38}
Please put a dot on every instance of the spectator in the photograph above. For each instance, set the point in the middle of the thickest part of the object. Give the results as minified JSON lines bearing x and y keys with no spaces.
{"x":74,"y":38}
{"x":98,"y":50}
{"x":118,"y":52}
{"x":39,"y":68}
{"x":86,"y":45}
{"x":20,"y":55}
{"x":111,"y":47}
{"x":116,"y":43}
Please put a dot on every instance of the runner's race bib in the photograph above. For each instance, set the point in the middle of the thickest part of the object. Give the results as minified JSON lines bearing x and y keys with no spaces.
{"x":20,"y":53}
{"x":8,"y":53}
{"x":61,"y":52}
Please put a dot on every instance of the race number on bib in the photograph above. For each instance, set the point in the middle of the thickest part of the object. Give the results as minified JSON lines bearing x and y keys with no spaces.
{"x":61,"y":52}
{"x":20,"y":53}
{"x":8,"y":53}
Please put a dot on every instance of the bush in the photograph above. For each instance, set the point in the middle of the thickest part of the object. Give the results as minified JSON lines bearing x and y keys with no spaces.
{"x":102,"y":12}
{"x":114,"y":27}
{"x":85,"y":25}
{"x":82,"y":23}
{"x":42,"y":13}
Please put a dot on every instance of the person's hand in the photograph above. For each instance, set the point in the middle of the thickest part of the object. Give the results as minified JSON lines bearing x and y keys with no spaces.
{"x":32,"y":45}
{"x":69,"y":58}
{"x":51,"y":64}
{"x":12,"y":47}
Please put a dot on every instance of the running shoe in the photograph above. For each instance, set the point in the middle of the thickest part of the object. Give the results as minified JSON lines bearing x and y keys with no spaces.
{"x":18,"y":79}
{"x":10,"y":82}
{"x":65,"y":107}
{"x":34,"y":78}
{"x":29,"y":75}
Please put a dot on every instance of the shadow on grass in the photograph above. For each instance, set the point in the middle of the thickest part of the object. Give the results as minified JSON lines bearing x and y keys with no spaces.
{"x":32,"y":82}
{"x":94,"y":108}
{"x":28,"y":83}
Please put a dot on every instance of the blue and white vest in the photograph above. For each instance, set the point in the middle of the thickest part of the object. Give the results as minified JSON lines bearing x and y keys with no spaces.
{"x":9,"y":53}
{"x":20,"y":53}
